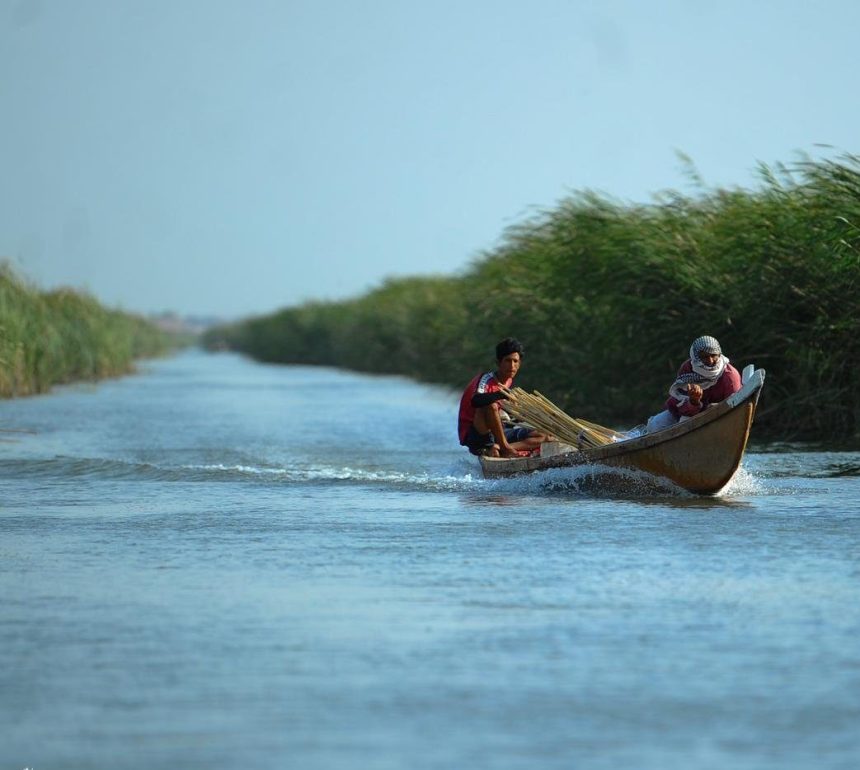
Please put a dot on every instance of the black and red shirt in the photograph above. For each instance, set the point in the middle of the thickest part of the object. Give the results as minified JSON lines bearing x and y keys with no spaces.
{"x":483,"y":390}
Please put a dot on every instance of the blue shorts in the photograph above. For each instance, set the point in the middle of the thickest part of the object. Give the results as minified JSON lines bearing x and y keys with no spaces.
{"x":479,"y":442}
{"x":517,"y":433}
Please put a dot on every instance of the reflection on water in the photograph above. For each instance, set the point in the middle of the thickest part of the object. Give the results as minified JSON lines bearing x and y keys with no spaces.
{"x":806,"y":464}
{"x":491,"y":500}
{"x":844,"y":469}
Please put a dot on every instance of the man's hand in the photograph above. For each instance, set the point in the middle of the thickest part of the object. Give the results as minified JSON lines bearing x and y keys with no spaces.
{"x":695,"y":393}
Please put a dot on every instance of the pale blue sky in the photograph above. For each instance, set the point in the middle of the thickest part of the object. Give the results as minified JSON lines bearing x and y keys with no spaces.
{"x":212,"y":156}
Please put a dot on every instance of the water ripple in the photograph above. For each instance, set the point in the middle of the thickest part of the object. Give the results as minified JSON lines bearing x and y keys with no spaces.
{"x":580,"y":481}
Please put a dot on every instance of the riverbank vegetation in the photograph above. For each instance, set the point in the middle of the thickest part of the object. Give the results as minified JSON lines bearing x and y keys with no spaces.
{"x":607,"y":297}
{"x":53,"y":337}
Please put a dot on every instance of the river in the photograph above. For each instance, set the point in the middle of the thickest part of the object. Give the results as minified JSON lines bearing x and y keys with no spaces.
{"x":221,"y":564}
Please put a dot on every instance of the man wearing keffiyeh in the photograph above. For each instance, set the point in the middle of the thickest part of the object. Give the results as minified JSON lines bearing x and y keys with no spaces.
{"x":705,"y":378}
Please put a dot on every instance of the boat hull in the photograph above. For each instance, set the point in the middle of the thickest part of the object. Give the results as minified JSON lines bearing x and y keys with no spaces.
{"x":700,"y":455}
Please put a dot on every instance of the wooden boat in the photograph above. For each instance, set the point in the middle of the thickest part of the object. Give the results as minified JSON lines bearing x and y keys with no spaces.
{"x":700,"y":454}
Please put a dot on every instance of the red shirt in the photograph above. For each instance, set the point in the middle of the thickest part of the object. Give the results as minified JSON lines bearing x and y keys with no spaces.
{"x":482,"y":383}
{"x":729,"y":382}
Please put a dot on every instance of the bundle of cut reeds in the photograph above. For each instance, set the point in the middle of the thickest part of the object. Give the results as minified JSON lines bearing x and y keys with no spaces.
{"x":539,"y":412}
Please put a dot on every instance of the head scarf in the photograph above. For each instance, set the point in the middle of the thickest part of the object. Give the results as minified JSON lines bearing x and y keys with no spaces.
{"x":703,"y":375}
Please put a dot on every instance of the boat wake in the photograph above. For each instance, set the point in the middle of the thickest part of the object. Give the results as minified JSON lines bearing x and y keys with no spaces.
{"x":61,"y":467}
{"x":588,"y":481}
{"x":743,"y":484}
{"x":461,"y":476}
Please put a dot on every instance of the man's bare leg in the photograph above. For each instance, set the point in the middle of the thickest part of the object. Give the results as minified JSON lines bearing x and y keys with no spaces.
{"x":487,"y":420}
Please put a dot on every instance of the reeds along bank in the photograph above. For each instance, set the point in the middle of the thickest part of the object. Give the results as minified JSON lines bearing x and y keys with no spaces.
{"x":48,"y":338}
{"x":607,"y":296}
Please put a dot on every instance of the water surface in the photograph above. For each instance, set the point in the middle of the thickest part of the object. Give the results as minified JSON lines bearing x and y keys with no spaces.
{"x":222,"y":564}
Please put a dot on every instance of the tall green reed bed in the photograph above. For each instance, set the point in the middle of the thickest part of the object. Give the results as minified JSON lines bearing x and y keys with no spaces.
{"x":607,"y":297}
{"x":48,"y":338}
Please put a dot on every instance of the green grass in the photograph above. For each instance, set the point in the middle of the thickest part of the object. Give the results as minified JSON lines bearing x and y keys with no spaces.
{"x":54,"y":337}
{"x":607,"y":297}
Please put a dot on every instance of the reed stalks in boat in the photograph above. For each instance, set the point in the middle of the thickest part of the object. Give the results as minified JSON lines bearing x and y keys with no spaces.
{"x":538,"y":411}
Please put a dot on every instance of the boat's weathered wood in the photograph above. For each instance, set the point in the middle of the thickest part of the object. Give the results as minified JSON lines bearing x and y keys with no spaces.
{"x":700,"y":455}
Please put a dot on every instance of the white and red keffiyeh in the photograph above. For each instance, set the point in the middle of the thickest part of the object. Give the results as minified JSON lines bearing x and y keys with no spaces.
{"x":702,"y":375}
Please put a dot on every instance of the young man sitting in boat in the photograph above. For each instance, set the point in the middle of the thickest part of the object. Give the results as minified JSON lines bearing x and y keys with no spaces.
{"x":705,"y":378}
{"x":483,"y":426}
